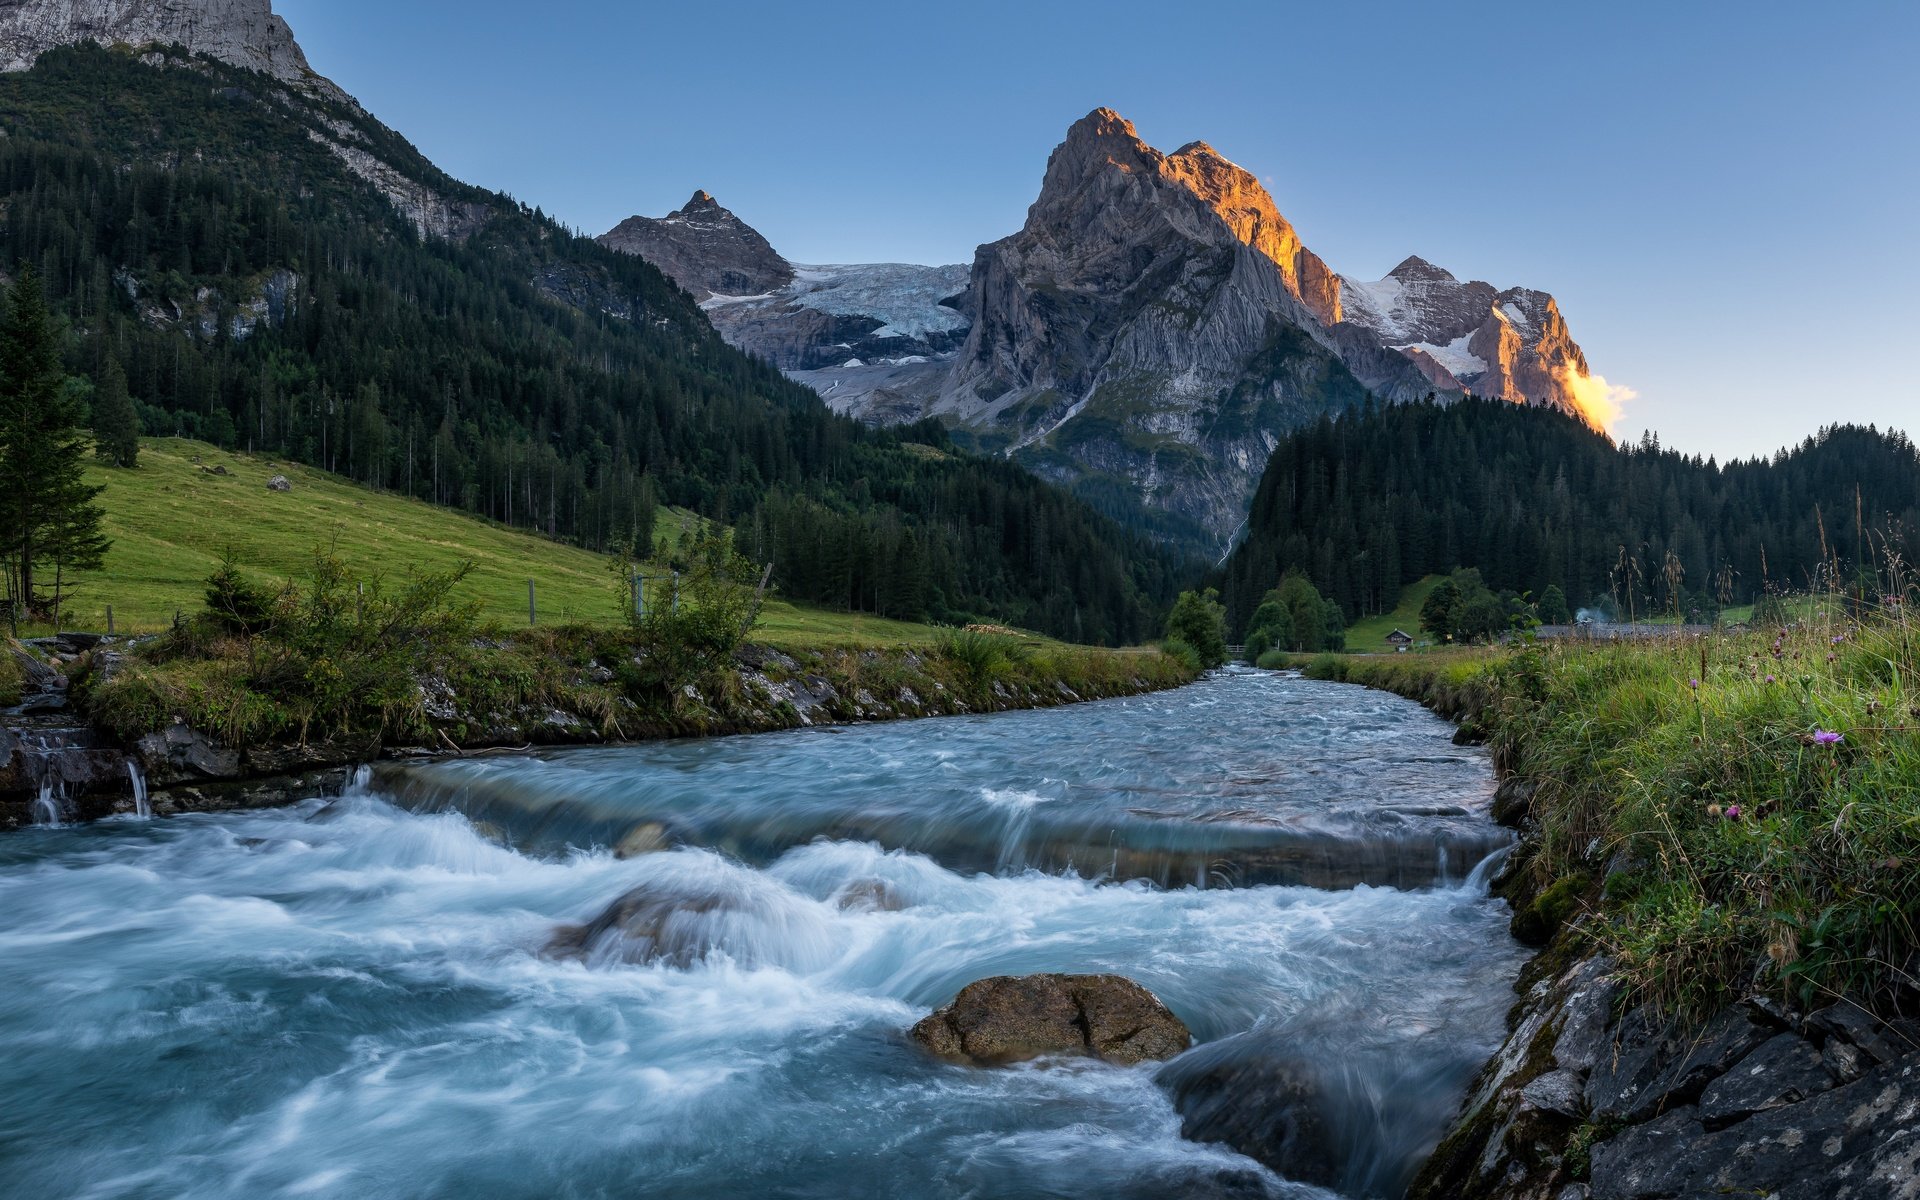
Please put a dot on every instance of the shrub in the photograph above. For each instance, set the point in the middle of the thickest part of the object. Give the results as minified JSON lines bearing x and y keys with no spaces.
{"x":691,"y":626}
{"x":1199,"y":621}
{"x":344,"y":656}
{"x":1184,"y":652}
{"x":236,"y":604}
{"x":980,"y":656}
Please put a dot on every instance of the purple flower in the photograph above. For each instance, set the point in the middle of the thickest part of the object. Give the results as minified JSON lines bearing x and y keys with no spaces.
{"x":1771,"y":679}
{"x":1694,"y":684}
{"x":1827,"y":737}
{"x":1733,"y":812}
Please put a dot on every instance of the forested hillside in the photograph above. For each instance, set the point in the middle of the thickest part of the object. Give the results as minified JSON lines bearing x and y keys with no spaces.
{"x":198,"y":224}
{"x":1379,"y":499}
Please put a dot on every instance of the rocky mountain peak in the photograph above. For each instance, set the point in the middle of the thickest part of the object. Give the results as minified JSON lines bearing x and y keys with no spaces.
{"x":243,"y":33}
{"x":705,"y":249}
{"x":1416,"y":268}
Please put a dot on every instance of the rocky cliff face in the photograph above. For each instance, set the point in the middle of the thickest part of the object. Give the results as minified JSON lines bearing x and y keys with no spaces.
{"x":1512,"y":344}
{"x":244,"y":33}
{"x":1146,"y":338}
{"x":1157,"y":325}
{"x":248,"y":34}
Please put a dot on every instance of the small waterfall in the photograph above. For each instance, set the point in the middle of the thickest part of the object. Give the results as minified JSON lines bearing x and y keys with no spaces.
{"x":48,"y":807}
{"x":1481,"y":879}
{"x":141,"y":808}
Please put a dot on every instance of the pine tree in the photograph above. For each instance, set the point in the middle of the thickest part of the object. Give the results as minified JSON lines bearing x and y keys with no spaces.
{"x":116,"y":426}
{"x":50,"y":517}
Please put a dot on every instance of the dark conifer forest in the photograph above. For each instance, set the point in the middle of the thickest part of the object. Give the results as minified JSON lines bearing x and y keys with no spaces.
{"x":1378,"y":499}
{"x":201,"y":238}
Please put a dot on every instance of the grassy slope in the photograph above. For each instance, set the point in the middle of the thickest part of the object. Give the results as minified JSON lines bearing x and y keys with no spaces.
{"x":1369,"y":634}
{"x":170,"y":521}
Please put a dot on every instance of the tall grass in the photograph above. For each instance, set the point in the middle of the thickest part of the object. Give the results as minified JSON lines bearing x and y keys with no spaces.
{"x":1746,"y":805}
{"x":1754,"y":801}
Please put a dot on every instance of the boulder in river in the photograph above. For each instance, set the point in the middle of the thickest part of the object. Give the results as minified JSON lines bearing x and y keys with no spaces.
{"x":1011,"y":1018}
{"x":690,"y":911}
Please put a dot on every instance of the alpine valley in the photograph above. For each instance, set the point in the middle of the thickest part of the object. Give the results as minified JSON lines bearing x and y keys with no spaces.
{"x":276,"y":271}
{"x":1145,"y":339}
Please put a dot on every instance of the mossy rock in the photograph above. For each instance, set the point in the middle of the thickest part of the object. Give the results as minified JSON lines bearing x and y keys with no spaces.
{"x":1536,"y":924}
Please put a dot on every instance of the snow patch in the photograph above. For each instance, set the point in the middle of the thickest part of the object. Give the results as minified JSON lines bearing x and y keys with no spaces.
{"x":1454,"y":356}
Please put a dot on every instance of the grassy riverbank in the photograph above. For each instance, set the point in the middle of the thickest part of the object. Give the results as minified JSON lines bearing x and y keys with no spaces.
{"x":1731,"y":809}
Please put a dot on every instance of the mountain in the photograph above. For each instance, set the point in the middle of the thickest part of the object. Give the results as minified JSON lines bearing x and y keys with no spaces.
{"x":1148,"y":335}
{"x":1510,"y":345}
{"x":1535,"y":499}
{"x":275,"y":269}
{"x":705,"y":249}
{"x":854,"y":333}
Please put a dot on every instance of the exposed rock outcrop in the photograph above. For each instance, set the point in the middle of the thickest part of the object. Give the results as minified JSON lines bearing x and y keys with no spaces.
{"x":1012,"y":1018}
{"x":244,"y":33}
{"x":1584,"y":1104}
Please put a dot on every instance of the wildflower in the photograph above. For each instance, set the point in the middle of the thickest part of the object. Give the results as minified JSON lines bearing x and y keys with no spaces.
{"x":1827,"y":737}
{"x":1715,"y":811}
{"x":1771,"y":679}
{"x":1733,"y":812}
{"x":1694,"y":684}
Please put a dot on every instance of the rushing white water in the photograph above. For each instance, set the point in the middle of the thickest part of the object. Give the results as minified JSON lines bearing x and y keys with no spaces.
{"x":47,"y":805}
{"x":348,"y":999}
{"x":141,"y":809}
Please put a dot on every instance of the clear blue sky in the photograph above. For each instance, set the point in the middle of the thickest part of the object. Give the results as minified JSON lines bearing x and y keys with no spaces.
{"x":1724,"y":197}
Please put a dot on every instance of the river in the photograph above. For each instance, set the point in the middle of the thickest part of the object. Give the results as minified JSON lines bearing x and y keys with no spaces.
{"x":356,"y":996}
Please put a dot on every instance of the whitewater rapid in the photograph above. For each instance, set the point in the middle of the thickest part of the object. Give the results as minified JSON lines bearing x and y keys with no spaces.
{"x":349,"y":998}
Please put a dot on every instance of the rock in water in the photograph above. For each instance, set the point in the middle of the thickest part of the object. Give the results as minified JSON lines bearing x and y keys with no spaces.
{"x":1012,"y":1018}
{"x":689,"y":911}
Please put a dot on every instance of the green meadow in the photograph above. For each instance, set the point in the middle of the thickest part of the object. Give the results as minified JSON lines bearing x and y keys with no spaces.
{"x":189,"y":503}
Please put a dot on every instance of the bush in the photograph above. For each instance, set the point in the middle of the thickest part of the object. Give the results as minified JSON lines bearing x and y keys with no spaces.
{"x":980,"y":656}
{"x":692,"y":625}
{"x":1274,"y":660}
{"x":237,"y":605}
{"x":1184,"y":652}
{"x":344,"y":659}
{"x":1200,"y":622}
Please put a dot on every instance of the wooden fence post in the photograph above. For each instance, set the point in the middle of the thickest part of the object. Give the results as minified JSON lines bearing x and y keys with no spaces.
{"x":109,"y":620}
{"x":533,"y":613}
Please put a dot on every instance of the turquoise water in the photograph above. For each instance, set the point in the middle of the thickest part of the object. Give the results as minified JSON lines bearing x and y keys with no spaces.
{"x":349,"y":998}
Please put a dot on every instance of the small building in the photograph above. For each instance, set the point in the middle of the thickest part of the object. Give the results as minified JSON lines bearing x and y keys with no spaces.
{"x":1400,"y":640}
